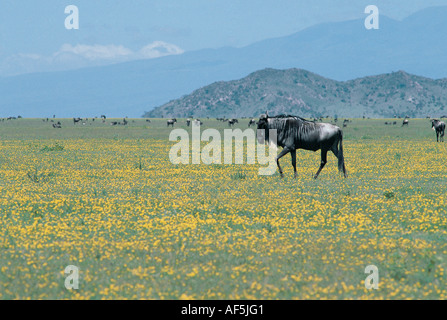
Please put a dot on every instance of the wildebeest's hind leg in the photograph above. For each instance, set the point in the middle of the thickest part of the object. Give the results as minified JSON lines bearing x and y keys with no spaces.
{"x":339,"y":153}
{"x":280,"y":155}
{"x":293,"y":154}
{"x":323,"y":162}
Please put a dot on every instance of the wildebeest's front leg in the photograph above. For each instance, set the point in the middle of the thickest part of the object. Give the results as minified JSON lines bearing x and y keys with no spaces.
{"x":280,"y":155}
{"x":323,"y":162}
{"x":293,"y":154}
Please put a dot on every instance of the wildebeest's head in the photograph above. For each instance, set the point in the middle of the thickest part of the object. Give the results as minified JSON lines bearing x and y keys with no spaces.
{"x":263,"y":130}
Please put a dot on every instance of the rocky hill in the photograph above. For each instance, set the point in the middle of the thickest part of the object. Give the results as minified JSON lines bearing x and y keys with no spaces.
{"x":307,"y":94}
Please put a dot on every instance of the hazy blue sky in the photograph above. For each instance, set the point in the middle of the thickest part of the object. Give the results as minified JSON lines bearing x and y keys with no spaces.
{"x":33,"y":36}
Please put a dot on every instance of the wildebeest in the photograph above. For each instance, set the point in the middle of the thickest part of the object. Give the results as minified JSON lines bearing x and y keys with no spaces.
{"x":171,"y":122}
{"x":198,"y":122}
{"x":405,"y":122}
{"x":57,"y":125}
{"x":251,"y":122}
{"x":231,"y":122}
{"x":297,"y":133}
{"x":76,"y":120}
{"x":188,"y":122}
{"x":439,"y":127}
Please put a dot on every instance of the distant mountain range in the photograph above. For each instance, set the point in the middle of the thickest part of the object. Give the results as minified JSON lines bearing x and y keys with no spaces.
{"x":339,"y":51}
{"x":303,"y":93}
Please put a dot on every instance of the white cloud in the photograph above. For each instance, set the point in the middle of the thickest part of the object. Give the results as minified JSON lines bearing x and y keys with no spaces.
{"x":159,"y":49}
{"x":95,"y":52}
{"x":81,"y":55}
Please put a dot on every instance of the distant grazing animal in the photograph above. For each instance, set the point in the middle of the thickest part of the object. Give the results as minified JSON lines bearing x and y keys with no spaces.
{"x":251,"y":122}
{"x":231,"y":122}
{"x":198,"y":122}
{"x":405,"y":122}
{"x":171,"y":122}
{"x":188,"y":122}
{"x":297,"y":133}
{"x":439,"y":127}
{"x":57,"y":125}
{"x":147,"y":120}
{"x":76,"y":120}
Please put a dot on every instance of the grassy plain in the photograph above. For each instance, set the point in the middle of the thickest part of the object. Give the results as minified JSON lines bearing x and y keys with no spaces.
{"x":108,"y":200}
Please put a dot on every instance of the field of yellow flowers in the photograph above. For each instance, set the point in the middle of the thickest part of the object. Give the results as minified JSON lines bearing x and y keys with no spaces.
{"x":108,"y":200}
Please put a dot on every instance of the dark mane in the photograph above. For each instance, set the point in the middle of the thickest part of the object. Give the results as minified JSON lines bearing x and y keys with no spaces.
{"x":282,"y":116}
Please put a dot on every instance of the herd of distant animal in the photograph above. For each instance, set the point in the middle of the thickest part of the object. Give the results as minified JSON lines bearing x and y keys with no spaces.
{"x":437,"y":125}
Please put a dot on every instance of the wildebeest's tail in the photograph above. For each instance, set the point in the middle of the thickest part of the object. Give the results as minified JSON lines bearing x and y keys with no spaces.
{"x":341,"y":158}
